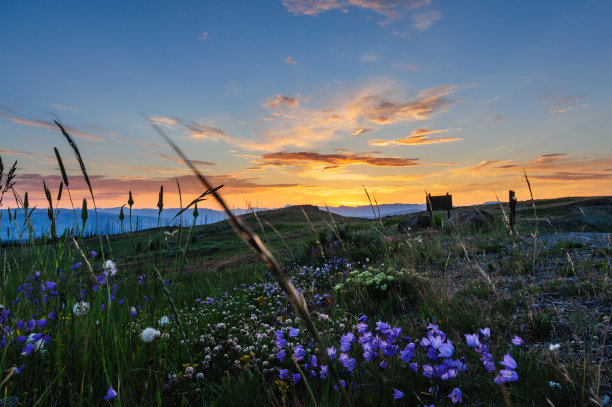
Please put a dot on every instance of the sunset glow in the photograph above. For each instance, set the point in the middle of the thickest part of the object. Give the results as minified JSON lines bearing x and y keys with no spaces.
{"x":309,"y":101}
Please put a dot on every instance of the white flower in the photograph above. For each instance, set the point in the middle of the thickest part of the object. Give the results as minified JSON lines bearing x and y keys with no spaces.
{"x":200,"y":376}
{"x":189,"y":371}
{"x":110,"y":268}
{"x":38,"y":345}
{"x":81,"y":308}
{"x":163,"y":321}
{"x":554,"y":385}
{"x":553,"y":347}
{"x":150,"y":334}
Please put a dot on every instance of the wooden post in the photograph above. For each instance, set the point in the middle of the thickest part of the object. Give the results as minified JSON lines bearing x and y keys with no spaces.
{"x":448,"y":201}
{"x":429,"y":207}
{"x":512,"y":204}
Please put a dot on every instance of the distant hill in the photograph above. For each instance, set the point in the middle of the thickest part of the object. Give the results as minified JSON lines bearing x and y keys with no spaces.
{"x":108,"y":218}
{"x":365,"y":211}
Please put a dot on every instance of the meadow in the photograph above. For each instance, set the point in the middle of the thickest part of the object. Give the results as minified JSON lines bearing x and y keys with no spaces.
{"x":190,"y":315}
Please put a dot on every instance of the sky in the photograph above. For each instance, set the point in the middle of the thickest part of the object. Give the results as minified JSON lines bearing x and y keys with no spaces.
{"x":308,"y":101}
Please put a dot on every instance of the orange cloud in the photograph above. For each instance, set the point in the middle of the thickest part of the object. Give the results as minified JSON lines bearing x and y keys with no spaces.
{"x":282,"y":101}
{"x":304,"y":158}
{"x":380,"y":110}
{"x":303,"y":127}
{"x":290,"y":61}
{"x":419,"y":136}
{"x":109,"y":191}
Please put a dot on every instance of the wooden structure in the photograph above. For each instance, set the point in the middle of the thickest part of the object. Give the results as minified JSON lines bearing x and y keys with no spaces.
{"x":439,"y":203}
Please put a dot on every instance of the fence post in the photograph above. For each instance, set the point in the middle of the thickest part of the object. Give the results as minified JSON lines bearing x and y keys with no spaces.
{"x":512,"y":203}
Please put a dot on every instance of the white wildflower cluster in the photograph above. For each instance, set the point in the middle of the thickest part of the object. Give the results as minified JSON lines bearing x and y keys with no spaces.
{"x":81,"y":308}
{"x":110,"y":269}
{"x":150,"y":334}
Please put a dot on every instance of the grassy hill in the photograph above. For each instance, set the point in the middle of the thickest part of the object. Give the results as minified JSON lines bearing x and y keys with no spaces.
{"x":393,"y":308}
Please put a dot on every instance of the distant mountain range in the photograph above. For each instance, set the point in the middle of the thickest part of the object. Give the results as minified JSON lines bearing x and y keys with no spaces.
{"x":13,"y":227}
{"x":367,"y":211}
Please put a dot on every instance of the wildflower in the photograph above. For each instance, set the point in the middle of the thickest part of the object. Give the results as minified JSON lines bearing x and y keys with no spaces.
{"x":397,"y":394}
{"x":133,"y":312}
{"x":80,"y":308}
{"x":298,"y":353}
{"x":111,"y":394}
{"x":554,"y":347}
{"x":280,"y":343}
{"x":189,"y":371}
{"x":282,"y":373}
{"x":508,"y":362}
{"x":31,"y":325}
{"x":383,"y":364}
{"x":93,"y":254}
{"x":342,"y":383}
{"x":76,"y":266}
{"x":200,"y":376}
{"x":110,"y":268}
{"x":485,"y":332}
{"x":506,"y":376}
{"x":163,"y":321}
{"x":414,"y":366}
{"x":455,"y":396}
{"x":347,"y":362}
{"x":332,"y":352}
{"x":293,"y":332}
{"x":296,"y":377}
{"x":324,"y":372}
{"x":446,"y":350}
{"x":407,"y":353}
{"x":518,"y":341}
{"x":554,"y":385}
{"x":281,"y":355}
{"x":313,"y":361}
{"x":27,"y":350}
{"x":150,"y":334}
{"x":472,"y":340}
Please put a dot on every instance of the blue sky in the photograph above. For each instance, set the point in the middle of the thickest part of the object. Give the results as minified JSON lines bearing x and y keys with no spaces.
{"x":288,"y":102}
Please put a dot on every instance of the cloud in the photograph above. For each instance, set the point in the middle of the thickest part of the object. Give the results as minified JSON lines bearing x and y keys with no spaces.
{"x":203,"y":36}
{"x":111,"y":190}
{"x":572,"y":176}
{"x":381,"y":110}
{"x":423,"y":21}
{"x":177,"y":160}
{"x":282,"y":101}
{"x":203,"y":131}
{"x":368,"y":58}
{"x":362,"y":130}
{"x":304,"y":158}
{"x":10,"y":152}
{"x":290,"y":61}
{"x":163,"y":121}
{"x":558,"y":104}
{"x":409,"y":67}
{"x":64,"y":107}
{"x":388,"y":8}
{"x":50,"y":125}
{"x":300,"y":126}
{"x":497,"y":118}
{"x":419,"y":136}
